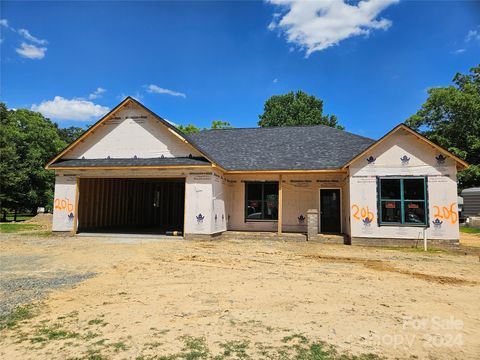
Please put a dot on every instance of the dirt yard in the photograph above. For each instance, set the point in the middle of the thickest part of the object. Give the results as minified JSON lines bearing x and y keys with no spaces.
{"x":144,"y":299}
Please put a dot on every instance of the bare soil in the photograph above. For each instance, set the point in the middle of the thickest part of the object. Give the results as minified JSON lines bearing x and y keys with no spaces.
{"x":45,"y":220}
{"x":148,"y":296}
{"x":470,"y":240}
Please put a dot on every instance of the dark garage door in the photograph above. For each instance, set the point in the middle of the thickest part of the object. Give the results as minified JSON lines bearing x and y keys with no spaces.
{"x":145,"y":206}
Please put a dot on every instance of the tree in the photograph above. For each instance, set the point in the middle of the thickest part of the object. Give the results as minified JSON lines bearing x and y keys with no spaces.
{"x":219,"y":124}
{"x":27,"y":141}
{"x":188,"y":129}
{"x":70,"y":134}
{"x":192,"y":129}
{"x":451,"y":117}
{"x":294,"y":109}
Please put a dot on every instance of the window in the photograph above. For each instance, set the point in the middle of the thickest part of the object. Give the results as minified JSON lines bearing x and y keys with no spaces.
{"x":402,"y":201}
{"x":261,"y":201}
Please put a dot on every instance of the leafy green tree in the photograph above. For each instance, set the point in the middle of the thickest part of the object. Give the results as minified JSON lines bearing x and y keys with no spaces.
{"x":219,"y":124}
{"x":27,"y":141}
{"x":192,"y":129}
{"x":451,"y":118}
{"x":294,"y":109}
{"x":70,"y":134}
{"x":188,"y":129}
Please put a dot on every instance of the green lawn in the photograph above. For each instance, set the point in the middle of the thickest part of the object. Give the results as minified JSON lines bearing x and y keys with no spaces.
{"x":20,"y":217}
{"x":9,"y":228}
{"x":469,"y":230}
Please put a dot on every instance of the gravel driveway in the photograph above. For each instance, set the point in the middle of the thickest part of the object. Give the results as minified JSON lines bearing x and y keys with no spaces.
{"x":23,"y":280}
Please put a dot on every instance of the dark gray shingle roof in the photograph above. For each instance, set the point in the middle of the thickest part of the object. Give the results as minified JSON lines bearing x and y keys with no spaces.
{"x":180,"y":161}
{"x":280,"y":148}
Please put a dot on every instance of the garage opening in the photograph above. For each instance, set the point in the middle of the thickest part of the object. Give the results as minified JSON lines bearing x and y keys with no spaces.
{"x":137,"y":206}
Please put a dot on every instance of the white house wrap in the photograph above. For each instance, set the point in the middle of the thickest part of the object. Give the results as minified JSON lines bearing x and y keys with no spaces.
{"x":134,"y":172}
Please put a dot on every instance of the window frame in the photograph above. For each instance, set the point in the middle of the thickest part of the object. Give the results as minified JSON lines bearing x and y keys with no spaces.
{"x":402,"y":201}
{"x":245,"y":208}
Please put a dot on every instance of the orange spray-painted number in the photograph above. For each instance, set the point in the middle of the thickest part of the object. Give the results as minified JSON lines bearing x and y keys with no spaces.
{"x":446,"y":213}
{"x":363,"y":211}
{"x":63,"y":204}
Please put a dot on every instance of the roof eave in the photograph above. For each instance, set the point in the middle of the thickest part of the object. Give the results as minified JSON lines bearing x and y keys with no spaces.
{"x":283,"y":171}
{"x":127,"y":167}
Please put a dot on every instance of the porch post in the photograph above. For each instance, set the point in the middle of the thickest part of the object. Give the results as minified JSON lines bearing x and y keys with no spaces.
{"x":280,"y":204}
{"x":75,"y":209}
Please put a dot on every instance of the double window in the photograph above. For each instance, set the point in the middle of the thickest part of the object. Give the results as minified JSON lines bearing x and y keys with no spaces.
{"x":261,"y":201}
{"x":402,"y":201}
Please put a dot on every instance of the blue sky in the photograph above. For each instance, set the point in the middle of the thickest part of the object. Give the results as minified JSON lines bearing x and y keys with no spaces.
{"x":194,"y":62}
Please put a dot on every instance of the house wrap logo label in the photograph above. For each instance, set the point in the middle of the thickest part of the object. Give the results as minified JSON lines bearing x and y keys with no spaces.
{"x":440,"y":159}
{"x":405,"y":160}
{"x":437,"y":223}
{"x":200,"y":218}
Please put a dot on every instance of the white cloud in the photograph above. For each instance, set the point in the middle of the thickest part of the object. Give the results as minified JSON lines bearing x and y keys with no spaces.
{"x":26,"y":34}
{"x":154,"y":89}
{"x":31,"y":51}
{"x":473,"y":35}
{"x":70,"y":109}
{"x":318,"y":25}
{"x":459,"y":51}
{"x":97,"y":93}
{"x":275,"y":80}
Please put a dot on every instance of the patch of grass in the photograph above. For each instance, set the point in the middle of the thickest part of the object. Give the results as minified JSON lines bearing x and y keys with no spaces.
{"x":10,"y":228}
{"x":238,"y":349}
{"x":100,"y":342}
{"x":54,"y":333}
{"x":119,"y":346}
{"x":469,"y":230}
{"x":298,"y":347}
{"x":94,"y":354}
{"x":91,"y":335}
{"x":20,"y":217}
{"x":19,"y":314}
{"x":97,"y":322}
{"x":295,"y":347}
{"x":195,"y":348}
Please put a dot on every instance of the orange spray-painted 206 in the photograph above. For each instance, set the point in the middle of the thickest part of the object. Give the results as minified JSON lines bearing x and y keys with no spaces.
{"x":363,"y":211}
{"x":446,"y":212}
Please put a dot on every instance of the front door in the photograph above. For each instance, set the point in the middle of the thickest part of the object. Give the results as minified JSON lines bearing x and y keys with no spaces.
{"x":330,"y":210}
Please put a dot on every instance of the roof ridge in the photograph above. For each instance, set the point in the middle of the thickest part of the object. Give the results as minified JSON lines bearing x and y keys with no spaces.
{"x":265,"y":127}
{"x":283,"y":127}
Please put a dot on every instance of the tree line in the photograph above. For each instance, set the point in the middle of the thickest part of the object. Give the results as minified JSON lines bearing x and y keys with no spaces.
{"x":449,"y":117}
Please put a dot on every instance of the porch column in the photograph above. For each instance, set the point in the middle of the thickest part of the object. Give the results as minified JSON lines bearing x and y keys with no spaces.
{"x":280,"y":204}
{"x":75,"y":209}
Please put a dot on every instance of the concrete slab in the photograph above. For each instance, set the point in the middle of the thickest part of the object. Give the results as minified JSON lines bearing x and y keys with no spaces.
{"x":129,"y":238}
